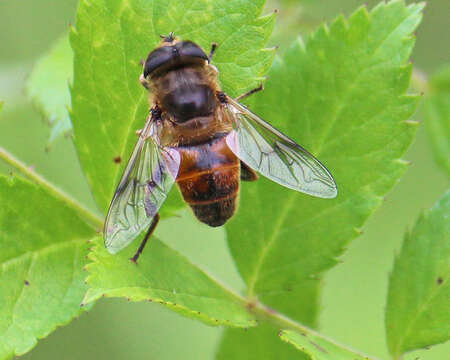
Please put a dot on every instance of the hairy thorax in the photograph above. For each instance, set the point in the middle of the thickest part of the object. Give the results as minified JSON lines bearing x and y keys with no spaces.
{"x":187,"y":97}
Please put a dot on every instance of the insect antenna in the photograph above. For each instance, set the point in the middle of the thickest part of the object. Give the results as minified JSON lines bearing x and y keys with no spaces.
{"x":170,"y":38}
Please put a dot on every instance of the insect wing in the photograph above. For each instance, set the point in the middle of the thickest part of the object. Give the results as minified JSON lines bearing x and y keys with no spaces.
{"x":144,"y":186}
{"x":274,"y":155}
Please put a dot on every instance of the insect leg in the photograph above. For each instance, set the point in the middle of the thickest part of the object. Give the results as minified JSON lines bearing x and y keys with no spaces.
{"x":144,"y":242}
{"x":247,"y":173}
{"x":211,"y":53}
{"x":248,"y":93}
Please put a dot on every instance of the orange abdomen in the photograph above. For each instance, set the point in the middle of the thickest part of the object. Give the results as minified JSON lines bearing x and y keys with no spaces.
{"x":209,"y":179}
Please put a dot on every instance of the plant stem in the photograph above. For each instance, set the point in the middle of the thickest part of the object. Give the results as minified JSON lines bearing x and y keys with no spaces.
{"x":266,"y":314}
{"x":92,"y":219}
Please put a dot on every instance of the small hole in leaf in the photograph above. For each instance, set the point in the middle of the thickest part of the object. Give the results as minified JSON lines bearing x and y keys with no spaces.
{"x":440,"y":280}
{"x":26,"y":282}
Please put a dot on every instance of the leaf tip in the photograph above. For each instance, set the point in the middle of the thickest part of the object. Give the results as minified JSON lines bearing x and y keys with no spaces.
{"x":418,"y":6}
{"x":403,"y":162}
{"x":73,"y":31}
{"x":412,"y":122}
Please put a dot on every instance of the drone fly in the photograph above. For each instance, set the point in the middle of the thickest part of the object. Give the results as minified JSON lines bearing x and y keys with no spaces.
{"x":205,"y":141}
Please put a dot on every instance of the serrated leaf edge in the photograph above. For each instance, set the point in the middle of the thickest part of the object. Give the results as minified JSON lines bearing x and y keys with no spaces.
{"x":95,"y":294}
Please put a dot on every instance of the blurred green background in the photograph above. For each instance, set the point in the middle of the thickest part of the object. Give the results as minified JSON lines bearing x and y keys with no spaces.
{"x":354,"y":292}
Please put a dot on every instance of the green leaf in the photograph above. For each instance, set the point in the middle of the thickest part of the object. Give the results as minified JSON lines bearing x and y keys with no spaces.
{"x":164,"y":276}
{"x":264,"y":345}
{"x":417,"y":311}
{"x":110,"y":39}
{"x":437,"y":116}
{"x":48,"y":86}
{"x":342,"y":96}
{"x":43,"y":248}
{"x":319,"y":348}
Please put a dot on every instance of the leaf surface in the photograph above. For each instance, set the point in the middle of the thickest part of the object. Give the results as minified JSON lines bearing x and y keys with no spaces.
{"x":163,"y":275}
{"x":48,"y":86}
{"x":343,"y":97}
{"x":110,"y":39}
{"x":43,"y":245}
{"x":418,"y":311}
{"x":319,"y":348}
{"x":437,"y":117}
{"x":257,"y":343}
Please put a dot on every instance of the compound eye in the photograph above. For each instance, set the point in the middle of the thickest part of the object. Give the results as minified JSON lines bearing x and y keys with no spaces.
{"x":157,"y":58}
{"x":191,"y":49}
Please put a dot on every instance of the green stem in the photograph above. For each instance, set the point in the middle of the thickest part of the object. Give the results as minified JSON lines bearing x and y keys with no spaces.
{"x":94,"y":220}
{"x":266,"y":314}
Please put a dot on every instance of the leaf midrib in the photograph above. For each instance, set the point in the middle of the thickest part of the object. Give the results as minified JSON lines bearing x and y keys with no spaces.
{"x":348,"y":91}
{"x":435,"y":292}
{"x":352,"y":85}
{"x":265,"y":248}
{"x":310,"y":220}
{"x":43,"y":250}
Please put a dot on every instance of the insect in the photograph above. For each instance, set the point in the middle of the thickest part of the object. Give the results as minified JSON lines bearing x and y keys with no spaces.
{"x":205,"y":141}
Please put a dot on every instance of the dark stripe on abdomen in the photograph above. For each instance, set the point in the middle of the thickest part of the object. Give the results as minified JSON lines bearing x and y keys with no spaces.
{"x":209,"y":179}
{"x":212,"y":195}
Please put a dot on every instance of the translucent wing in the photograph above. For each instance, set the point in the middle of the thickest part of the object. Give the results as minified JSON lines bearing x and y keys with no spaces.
{"x":274,"y":155}
{"x":144,"y":186}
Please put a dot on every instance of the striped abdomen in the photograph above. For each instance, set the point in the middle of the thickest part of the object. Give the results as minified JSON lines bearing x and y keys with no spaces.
{"x":209,"y":180}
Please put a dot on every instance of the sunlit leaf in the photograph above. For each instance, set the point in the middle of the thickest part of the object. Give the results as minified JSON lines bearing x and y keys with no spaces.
{"x":418,"y":311}
{"x":110,"y":39}
{"x":43,"y":248}
{"x":343,"y":96}
{"x":48,"y":86}
{"x":164,"y":276}
{"x":437,"y":117}
{"x":109,"y":104}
